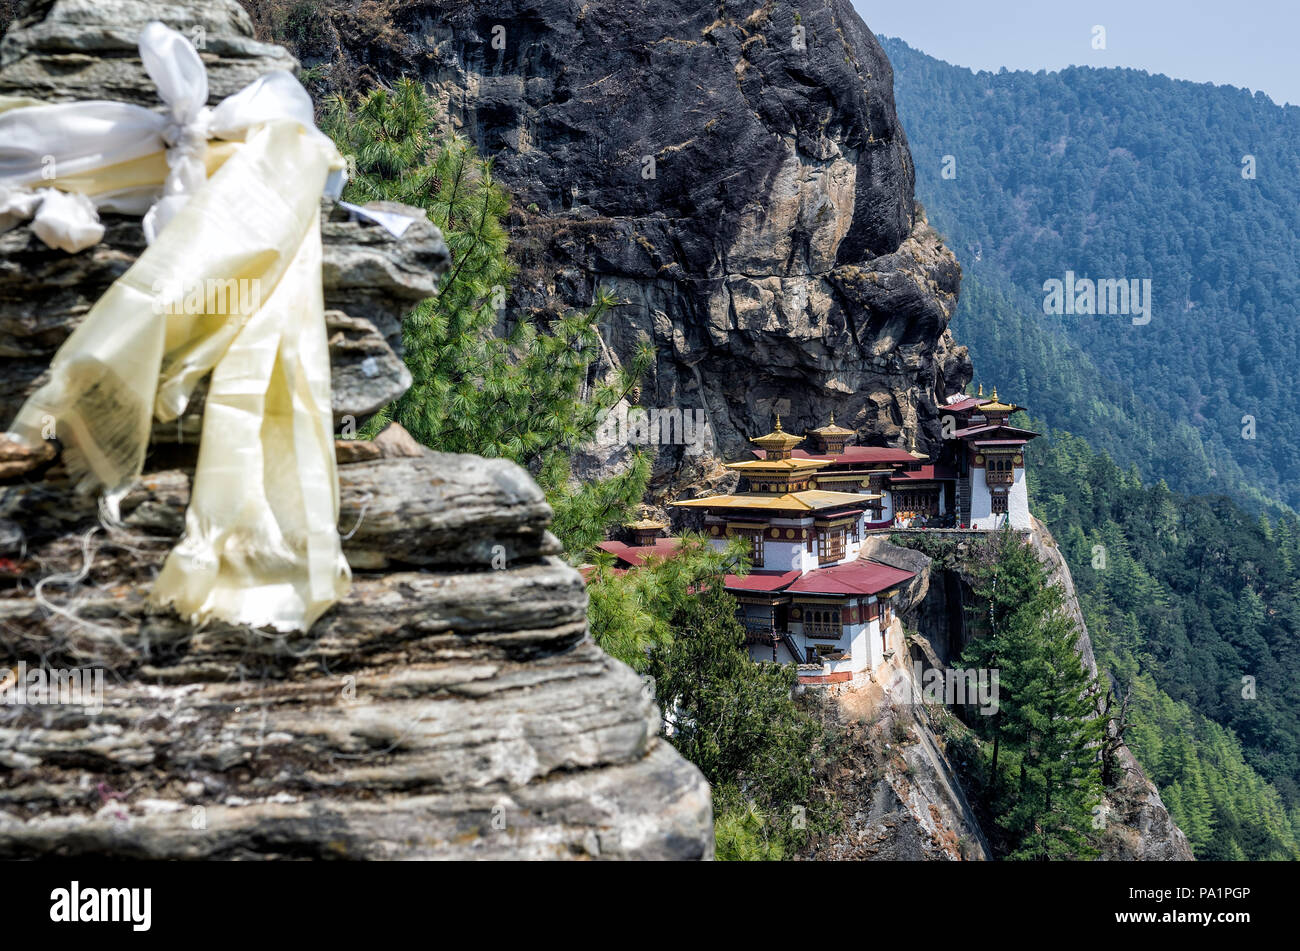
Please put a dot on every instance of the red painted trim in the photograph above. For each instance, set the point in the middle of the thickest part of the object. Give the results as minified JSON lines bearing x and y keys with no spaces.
{"x":844,"y":676}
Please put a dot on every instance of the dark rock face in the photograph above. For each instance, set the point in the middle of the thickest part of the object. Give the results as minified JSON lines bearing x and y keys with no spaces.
{"x":740,"y":179}
{"x":451,"y":706}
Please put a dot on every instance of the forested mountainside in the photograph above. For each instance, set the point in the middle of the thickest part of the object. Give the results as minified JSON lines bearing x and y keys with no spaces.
{"x":1118,"y":174}
{"x":1191,"y":599}
{"x":1193,"y":605}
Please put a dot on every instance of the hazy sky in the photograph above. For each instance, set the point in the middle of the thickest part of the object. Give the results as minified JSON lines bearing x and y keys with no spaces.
{"x":1250,"y":43}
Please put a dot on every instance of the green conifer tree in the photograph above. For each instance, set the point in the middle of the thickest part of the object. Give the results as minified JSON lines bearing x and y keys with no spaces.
{"x":1046,"y":715}
{"x":525,"y":396}
{"x":1060,"y":780}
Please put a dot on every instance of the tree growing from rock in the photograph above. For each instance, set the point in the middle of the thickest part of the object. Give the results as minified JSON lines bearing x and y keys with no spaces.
{"x":523,"y":393}
{"x":1047,"y":742}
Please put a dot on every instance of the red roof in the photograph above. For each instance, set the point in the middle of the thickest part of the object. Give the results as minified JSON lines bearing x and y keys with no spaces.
{"x":635,"y":555}
{"x":839,"y":513}
{"x":925,"y":473}
{"x":588,"y":570}
{"x":854,"y":577}
{"x":761,"y":580}
{"x":962,"y":405}
{"x":1001,"y":428}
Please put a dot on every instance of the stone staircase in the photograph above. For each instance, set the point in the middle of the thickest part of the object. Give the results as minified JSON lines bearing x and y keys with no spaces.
{"x":963,"y":501}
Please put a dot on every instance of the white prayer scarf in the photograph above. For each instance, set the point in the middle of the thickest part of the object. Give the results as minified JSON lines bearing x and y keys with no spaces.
{"x":261,"y":544}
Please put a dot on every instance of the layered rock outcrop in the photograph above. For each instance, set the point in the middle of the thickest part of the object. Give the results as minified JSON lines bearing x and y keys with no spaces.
{"x":737,"y":176}
{"x":896,"y":776}
{"x":452,"y":706}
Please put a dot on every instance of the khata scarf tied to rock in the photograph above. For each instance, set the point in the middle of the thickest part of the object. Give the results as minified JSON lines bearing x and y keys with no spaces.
{"x":230,"y":285}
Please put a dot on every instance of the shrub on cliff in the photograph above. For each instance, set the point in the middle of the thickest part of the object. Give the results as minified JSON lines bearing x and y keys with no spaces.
{"x":525,"y":394}
{"x":735,"y":719}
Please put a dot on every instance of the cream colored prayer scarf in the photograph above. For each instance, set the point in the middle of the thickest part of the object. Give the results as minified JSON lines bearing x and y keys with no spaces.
{"x":261,"y":546}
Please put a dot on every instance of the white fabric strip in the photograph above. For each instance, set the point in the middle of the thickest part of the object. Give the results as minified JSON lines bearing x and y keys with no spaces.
{"x":261,"y":544}
{"x":44,"y":143}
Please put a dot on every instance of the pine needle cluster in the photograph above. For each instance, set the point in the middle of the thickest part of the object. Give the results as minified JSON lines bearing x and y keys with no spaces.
{"x":485,"y":382}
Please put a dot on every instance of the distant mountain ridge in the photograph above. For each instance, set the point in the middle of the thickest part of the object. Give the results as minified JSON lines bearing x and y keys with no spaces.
{"x":1040,"y":182}
{"x":1116,"y":174}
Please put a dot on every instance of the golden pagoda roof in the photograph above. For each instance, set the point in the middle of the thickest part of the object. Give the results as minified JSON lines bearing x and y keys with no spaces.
{"x":831,"y":429}
{"x":810,"y":500}
{"x":777,"y":438}
{"x":778,"y":465}
{"x":996,"y":406}
{"x":645,"y":523}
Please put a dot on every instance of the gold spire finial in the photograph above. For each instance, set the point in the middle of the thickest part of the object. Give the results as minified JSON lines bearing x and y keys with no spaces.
{"x":981,"y":392}
{"x":832,"y":417}
{"x":995,"y":405}
{"x":778,"y":443}
{"x":647,"y":522}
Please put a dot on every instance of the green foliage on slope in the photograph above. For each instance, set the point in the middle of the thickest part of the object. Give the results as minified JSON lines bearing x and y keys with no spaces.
{"x":1193,"y":605}
{"x":522,"y":395}
{"x":735,"y":719}
{"x":1120,"y":174}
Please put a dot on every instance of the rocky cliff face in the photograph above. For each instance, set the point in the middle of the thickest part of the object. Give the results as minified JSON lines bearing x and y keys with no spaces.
{"x":896,"y":776}
{"x":736,"y":175}
{"x":452,"y":706}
